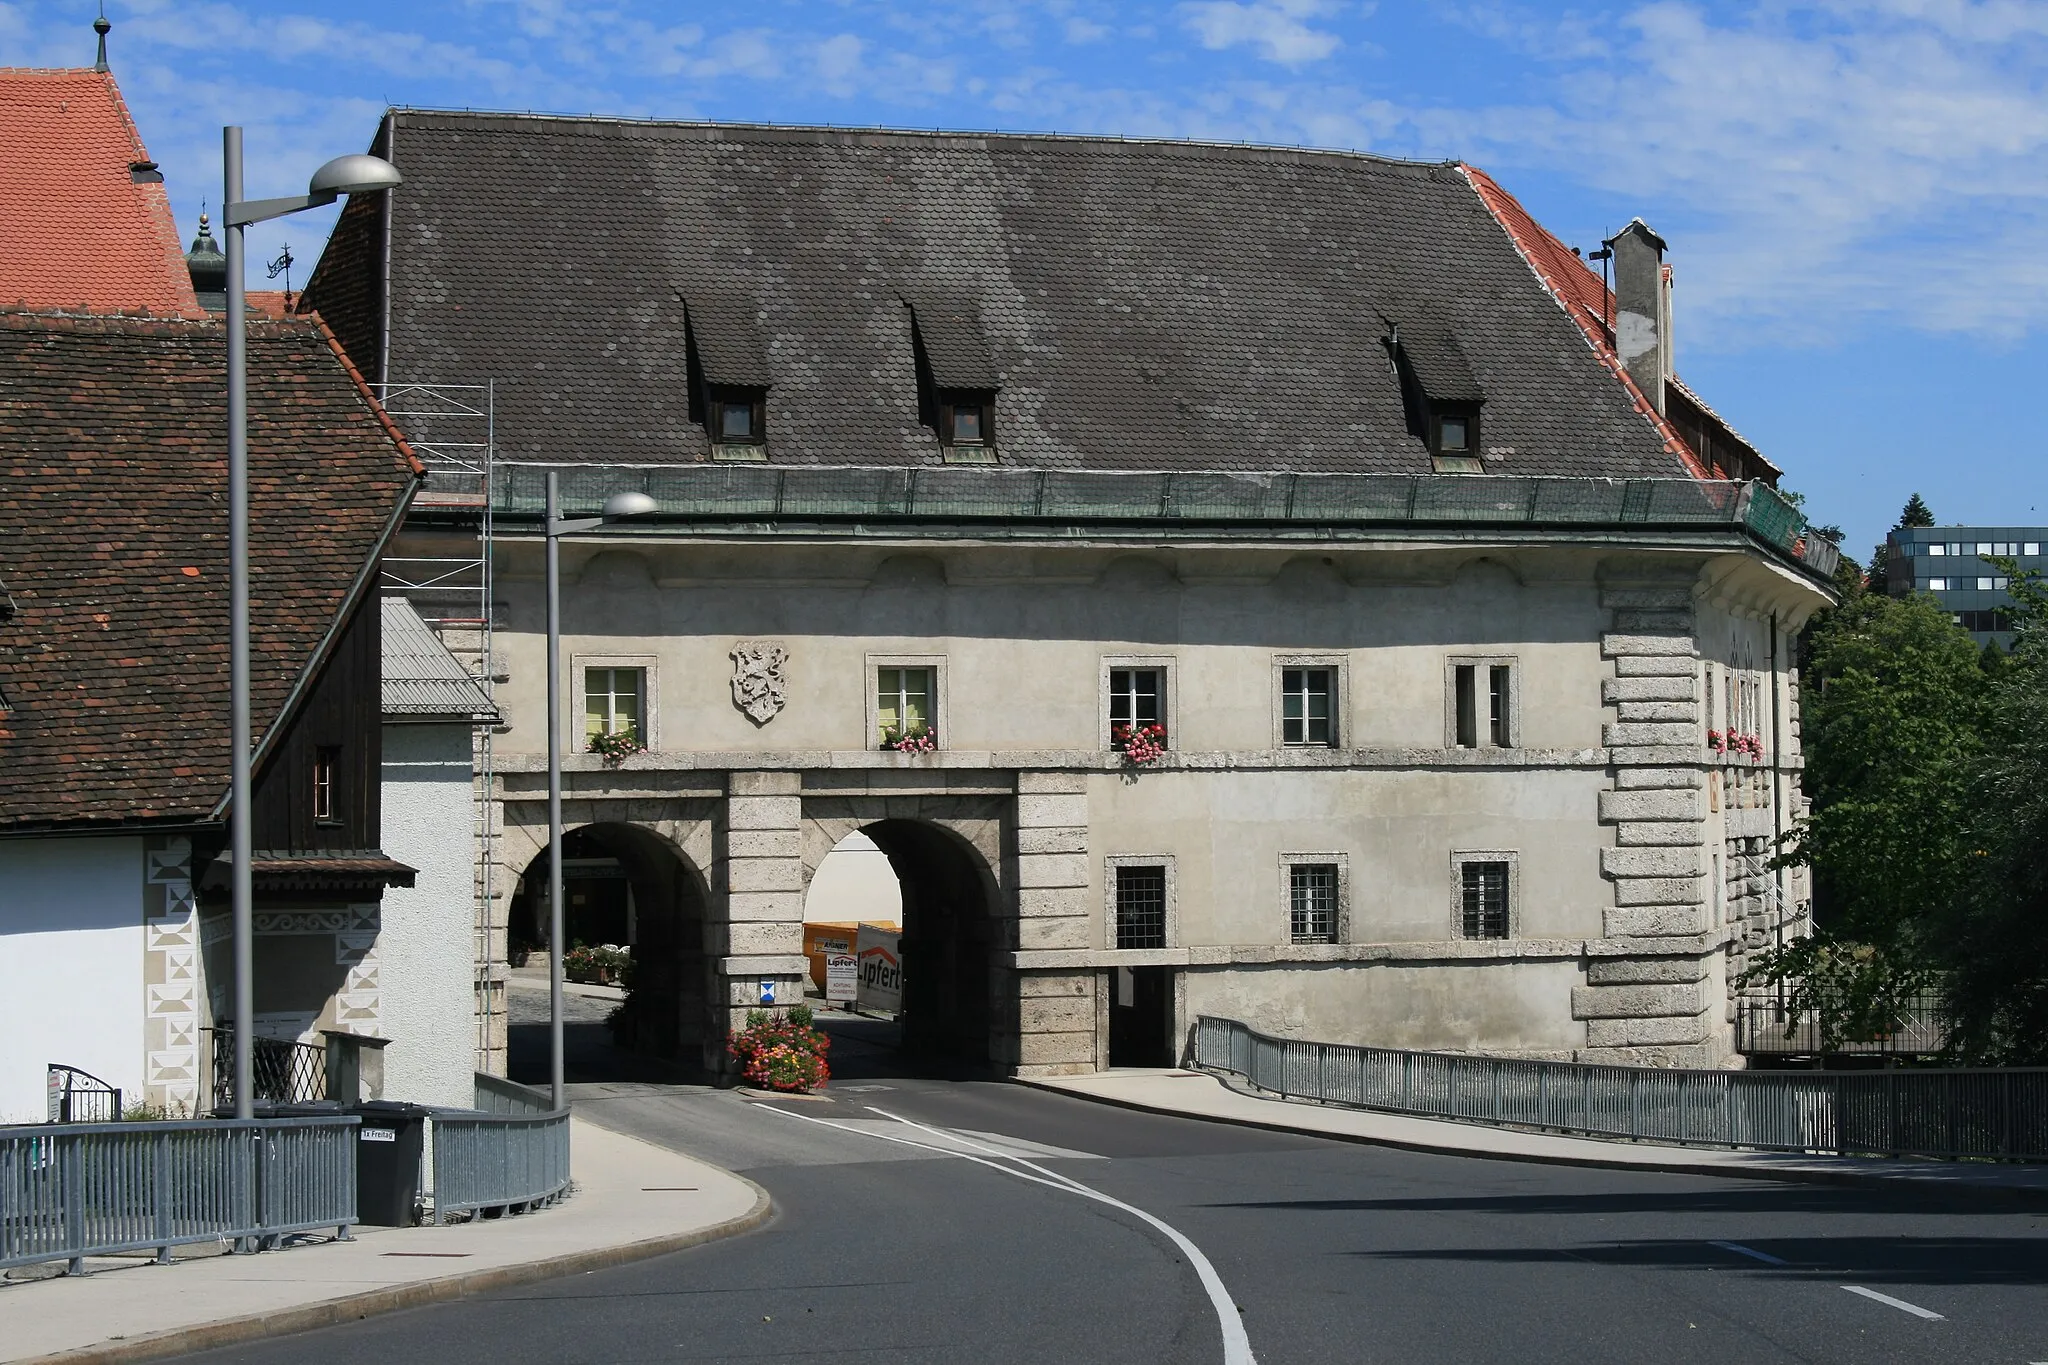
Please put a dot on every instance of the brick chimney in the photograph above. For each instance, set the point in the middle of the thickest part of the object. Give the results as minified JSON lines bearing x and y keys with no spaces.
{"x":1642,"y":308}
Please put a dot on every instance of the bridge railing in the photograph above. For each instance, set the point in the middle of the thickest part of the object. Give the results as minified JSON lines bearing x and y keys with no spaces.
{"x":1955,"y":1114}
{"x":69,"y":1191}
{"x":509,"y":1154}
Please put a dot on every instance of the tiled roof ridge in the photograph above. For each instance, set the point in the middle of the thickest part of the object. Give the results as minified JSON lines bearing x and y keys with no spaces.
{"x":369,"y":395}
{"x":82,"y":312}
{"x":141,"y":320}
{"x":964,"y":135}
{"x":1545,"y":256}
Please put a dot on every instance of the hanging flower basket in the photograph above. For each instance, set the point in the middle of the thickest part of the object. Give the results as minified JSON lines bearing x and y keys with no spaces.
{"x":1139,"y":745}
{"x":616,"y":746}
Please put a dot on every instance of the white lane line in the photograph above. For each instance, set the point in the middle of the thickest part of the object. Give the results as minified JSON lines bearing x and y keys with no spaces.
{"x":1915,"y":1309}
{"x":1237,"y":1347}
{"x":1740,"y":1250}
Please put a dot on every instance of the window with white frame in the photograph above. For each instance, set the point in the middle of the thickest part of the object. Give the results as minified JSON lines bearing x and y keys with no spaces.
{"x":614,"y":702}
{"x":1483,"y":885}
{"x":904,"y":704}
{"x":1308,"y":699}
{"x":1482,"y":703}
{"x":1137,"y":698}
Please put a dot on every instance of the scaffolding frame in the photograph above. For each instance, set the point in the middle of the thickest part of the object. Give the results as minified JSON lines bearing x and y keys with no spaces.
{"x":453,"y":430}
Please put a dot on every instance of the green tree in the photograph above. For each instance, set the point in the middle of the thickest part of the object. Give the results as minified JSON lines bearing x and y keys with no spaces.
{"x":1990,"y":939}
{"x":1890,"y":717}
{"x":1915,"y":513}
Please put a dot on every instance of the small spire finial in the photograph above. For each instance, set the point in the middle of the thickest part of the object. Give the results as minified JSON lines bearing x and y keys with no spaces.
{"x":101,"y":26}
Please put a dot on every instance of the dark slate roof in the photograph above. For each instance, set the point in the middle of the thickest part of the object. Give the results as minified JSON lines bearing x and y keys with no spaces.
{"x":113,"y":528}
{"x":1144,"y":305}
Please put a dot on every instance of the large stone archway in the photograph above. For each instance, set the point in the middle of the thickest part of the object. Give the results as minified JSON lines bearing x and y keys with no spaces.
{"x":959,"y":995}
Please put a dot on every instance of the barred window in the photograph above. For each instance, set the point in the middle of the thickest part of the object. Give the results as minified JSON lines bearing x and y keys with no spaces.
{"x":1141,"y":907}
{"x":1312,"y":903}
{"x":1485,"y":900}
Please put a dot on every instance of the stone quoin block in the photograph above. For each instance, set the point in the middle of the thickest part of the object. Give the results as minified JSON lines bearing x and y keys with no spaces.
{"x":1665,"y":598}
{"x":1660,"y":805}
{"x":760,"y":907}
{"x":1073,"y":931}
{"x":1686,"y":713}
{"x":1630,"y":891}
{"x":761,"y":939}
{"x":743,"y":783}
{"x":1053,"y":985}
{"x":1645,"y":622}
{"x":764,"y":812}
{"x":1656,"y":834}
{"x":1650,"y":862}
{"x":1057,"y":1049}
{"x":1052,"y":869}
{"x":1616,"y":646}
{"x":1651,"y":778}
{"x":1040,"y":812}
{"x":1654,"y":921}
{"x":1055,"y":902}
{"x":1645,"y":971}
{"x":1655,"y":666}
{"x":1071,"y":839}
{"x":1635,"y":1002}
{"x":1051,"y":784}
{"x":764,"y":874}
{"x":763,"y":843}
{"x":1645,"y":1032}
{"x":1056,"y":1014}
{"x":1616,"y":736}
{"x":1665,"y":687}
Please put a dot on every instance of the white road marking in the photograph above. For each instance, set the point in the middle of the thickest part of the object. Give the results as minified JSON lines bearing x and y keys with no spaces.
{"x":1915,"y":1309}
{"x":1751,"y":1252}
{"x":1237,"y":1347}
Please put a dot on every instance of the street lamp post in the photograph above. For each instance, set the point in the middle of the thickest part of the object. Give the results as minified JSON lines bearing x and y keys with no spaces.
{"x":618,"y":507}
{"x":343,"y":175}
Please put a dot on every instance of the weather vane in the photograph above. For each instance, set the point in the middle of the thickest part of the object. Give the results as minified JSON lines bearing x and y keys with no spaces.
{"x":282,"y":266}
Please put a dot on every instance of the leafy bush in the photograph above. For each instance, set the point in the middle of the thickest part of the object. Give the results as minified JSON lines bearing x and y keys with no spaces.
{"x":602,"y":963}
{"x":782,"y":1052}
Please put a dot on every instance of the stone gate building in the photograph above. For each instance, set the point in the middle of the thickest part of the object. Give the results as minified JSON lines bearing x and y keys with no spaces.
{"x":1465,"y":626}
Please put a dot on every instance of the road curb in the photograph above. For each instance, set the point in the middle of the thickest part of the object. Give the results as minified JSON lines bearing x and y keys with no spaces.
{"x":1890,"y":1183}
{"x":371,"y":1303}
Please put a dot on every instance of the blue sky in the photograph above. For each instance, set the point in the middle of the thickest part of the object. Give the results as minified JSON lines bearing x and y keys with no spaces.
{"x":1855,"y":191}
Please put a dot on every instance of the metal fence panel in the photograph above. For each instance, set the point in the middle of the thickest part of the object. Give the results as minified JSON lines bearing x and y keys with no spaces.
{"x":77,"y":1190}
{"x":1956,"y":1113}
{"x":498,"y":1161}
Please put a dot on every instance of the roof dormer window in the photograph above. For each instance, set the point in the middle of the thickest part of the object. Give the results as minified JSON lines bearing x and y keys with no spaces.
{"x":739,"y":416}
{"x":1441,"y":397}
{"x":967,"y":418}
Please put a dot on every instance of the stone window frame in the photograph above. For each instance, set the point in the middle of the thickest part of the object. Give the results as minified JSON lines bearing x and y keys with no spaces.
{"x":1462,"y":856}
{"x":1513,"y":663}
{"x":1168,"y":666}
{"x":941,"y":716}
{"x":1340,"y":705}
{"x":650,"y":697}
{"x":1342,"y":862}
{"x":1110,"y":864}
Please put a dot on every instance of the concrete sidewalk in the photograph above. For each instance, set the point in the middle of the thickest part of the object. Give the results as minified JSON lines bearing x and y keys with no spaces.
{"x":631,"y":1200}
{"x":1196,"y":1094}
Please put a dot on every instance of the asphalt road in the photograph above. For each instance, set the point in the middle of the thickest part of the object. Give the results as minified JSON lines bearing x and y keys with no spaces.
{"x":1326,"y":1251}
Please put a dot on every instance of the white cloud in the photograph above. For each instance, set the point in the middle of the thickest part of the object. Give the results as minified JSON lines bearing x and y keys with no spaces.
{"x":1275,"y":28}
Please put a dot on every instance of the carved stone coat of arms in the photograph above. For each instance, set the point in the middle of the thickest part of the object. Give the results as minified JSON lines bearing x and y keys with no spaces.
{"x":758,"y":680}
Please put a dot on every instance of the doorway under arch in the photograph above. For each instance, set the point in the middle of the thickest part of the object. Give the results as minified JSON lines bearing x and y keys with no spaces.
{"x":628,"y":886}
{"x":951,"y":932}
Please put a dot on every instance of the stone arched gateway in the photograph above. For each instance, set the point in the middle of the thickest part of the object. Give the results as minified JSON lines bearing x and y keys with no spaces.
{"x":992,"y":862}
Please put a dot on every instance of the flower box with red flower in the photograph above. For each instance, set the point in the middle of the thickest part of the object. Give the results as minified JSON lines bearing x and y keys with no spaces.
{"x":1140,"y":744}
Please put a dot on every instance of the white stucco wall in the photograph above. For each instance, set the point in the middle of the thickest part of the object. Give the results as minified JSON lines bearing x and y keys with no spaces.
{"x":71,"y":966}
{"x":428,"y":1005}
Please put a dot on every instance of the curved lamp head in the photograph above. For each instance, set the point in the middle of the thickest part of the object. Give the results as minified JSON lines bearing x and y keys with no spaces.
{"x":358,"y":174}
{"x":619,"y":506}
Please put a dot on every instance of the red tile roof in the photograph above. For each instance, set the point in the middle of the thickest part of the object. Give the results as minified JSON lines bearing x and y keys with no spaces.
{"x":80,"y":233}
{"x":113,"y":546}
{"x":1582,"y":294}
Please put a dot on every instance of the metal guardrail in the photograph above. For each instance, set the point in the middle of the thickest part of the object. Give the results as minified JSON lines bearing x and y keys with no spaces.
{"x":508,"y":1155}
{"x":1994,"y":1114}
{"x":1766,"y":1027}
{"x":752,"y":492}
{"x":97,"y":1189}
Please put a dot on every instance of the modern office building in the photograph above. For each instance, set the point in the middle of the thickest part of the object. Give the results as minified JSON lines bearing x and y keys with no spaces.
{"x":1954,"y":563}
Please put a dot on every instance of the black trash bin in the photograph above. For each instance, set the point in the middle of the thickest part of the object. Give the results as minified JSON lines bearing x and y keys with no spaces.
{"x":388,"y":1149}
